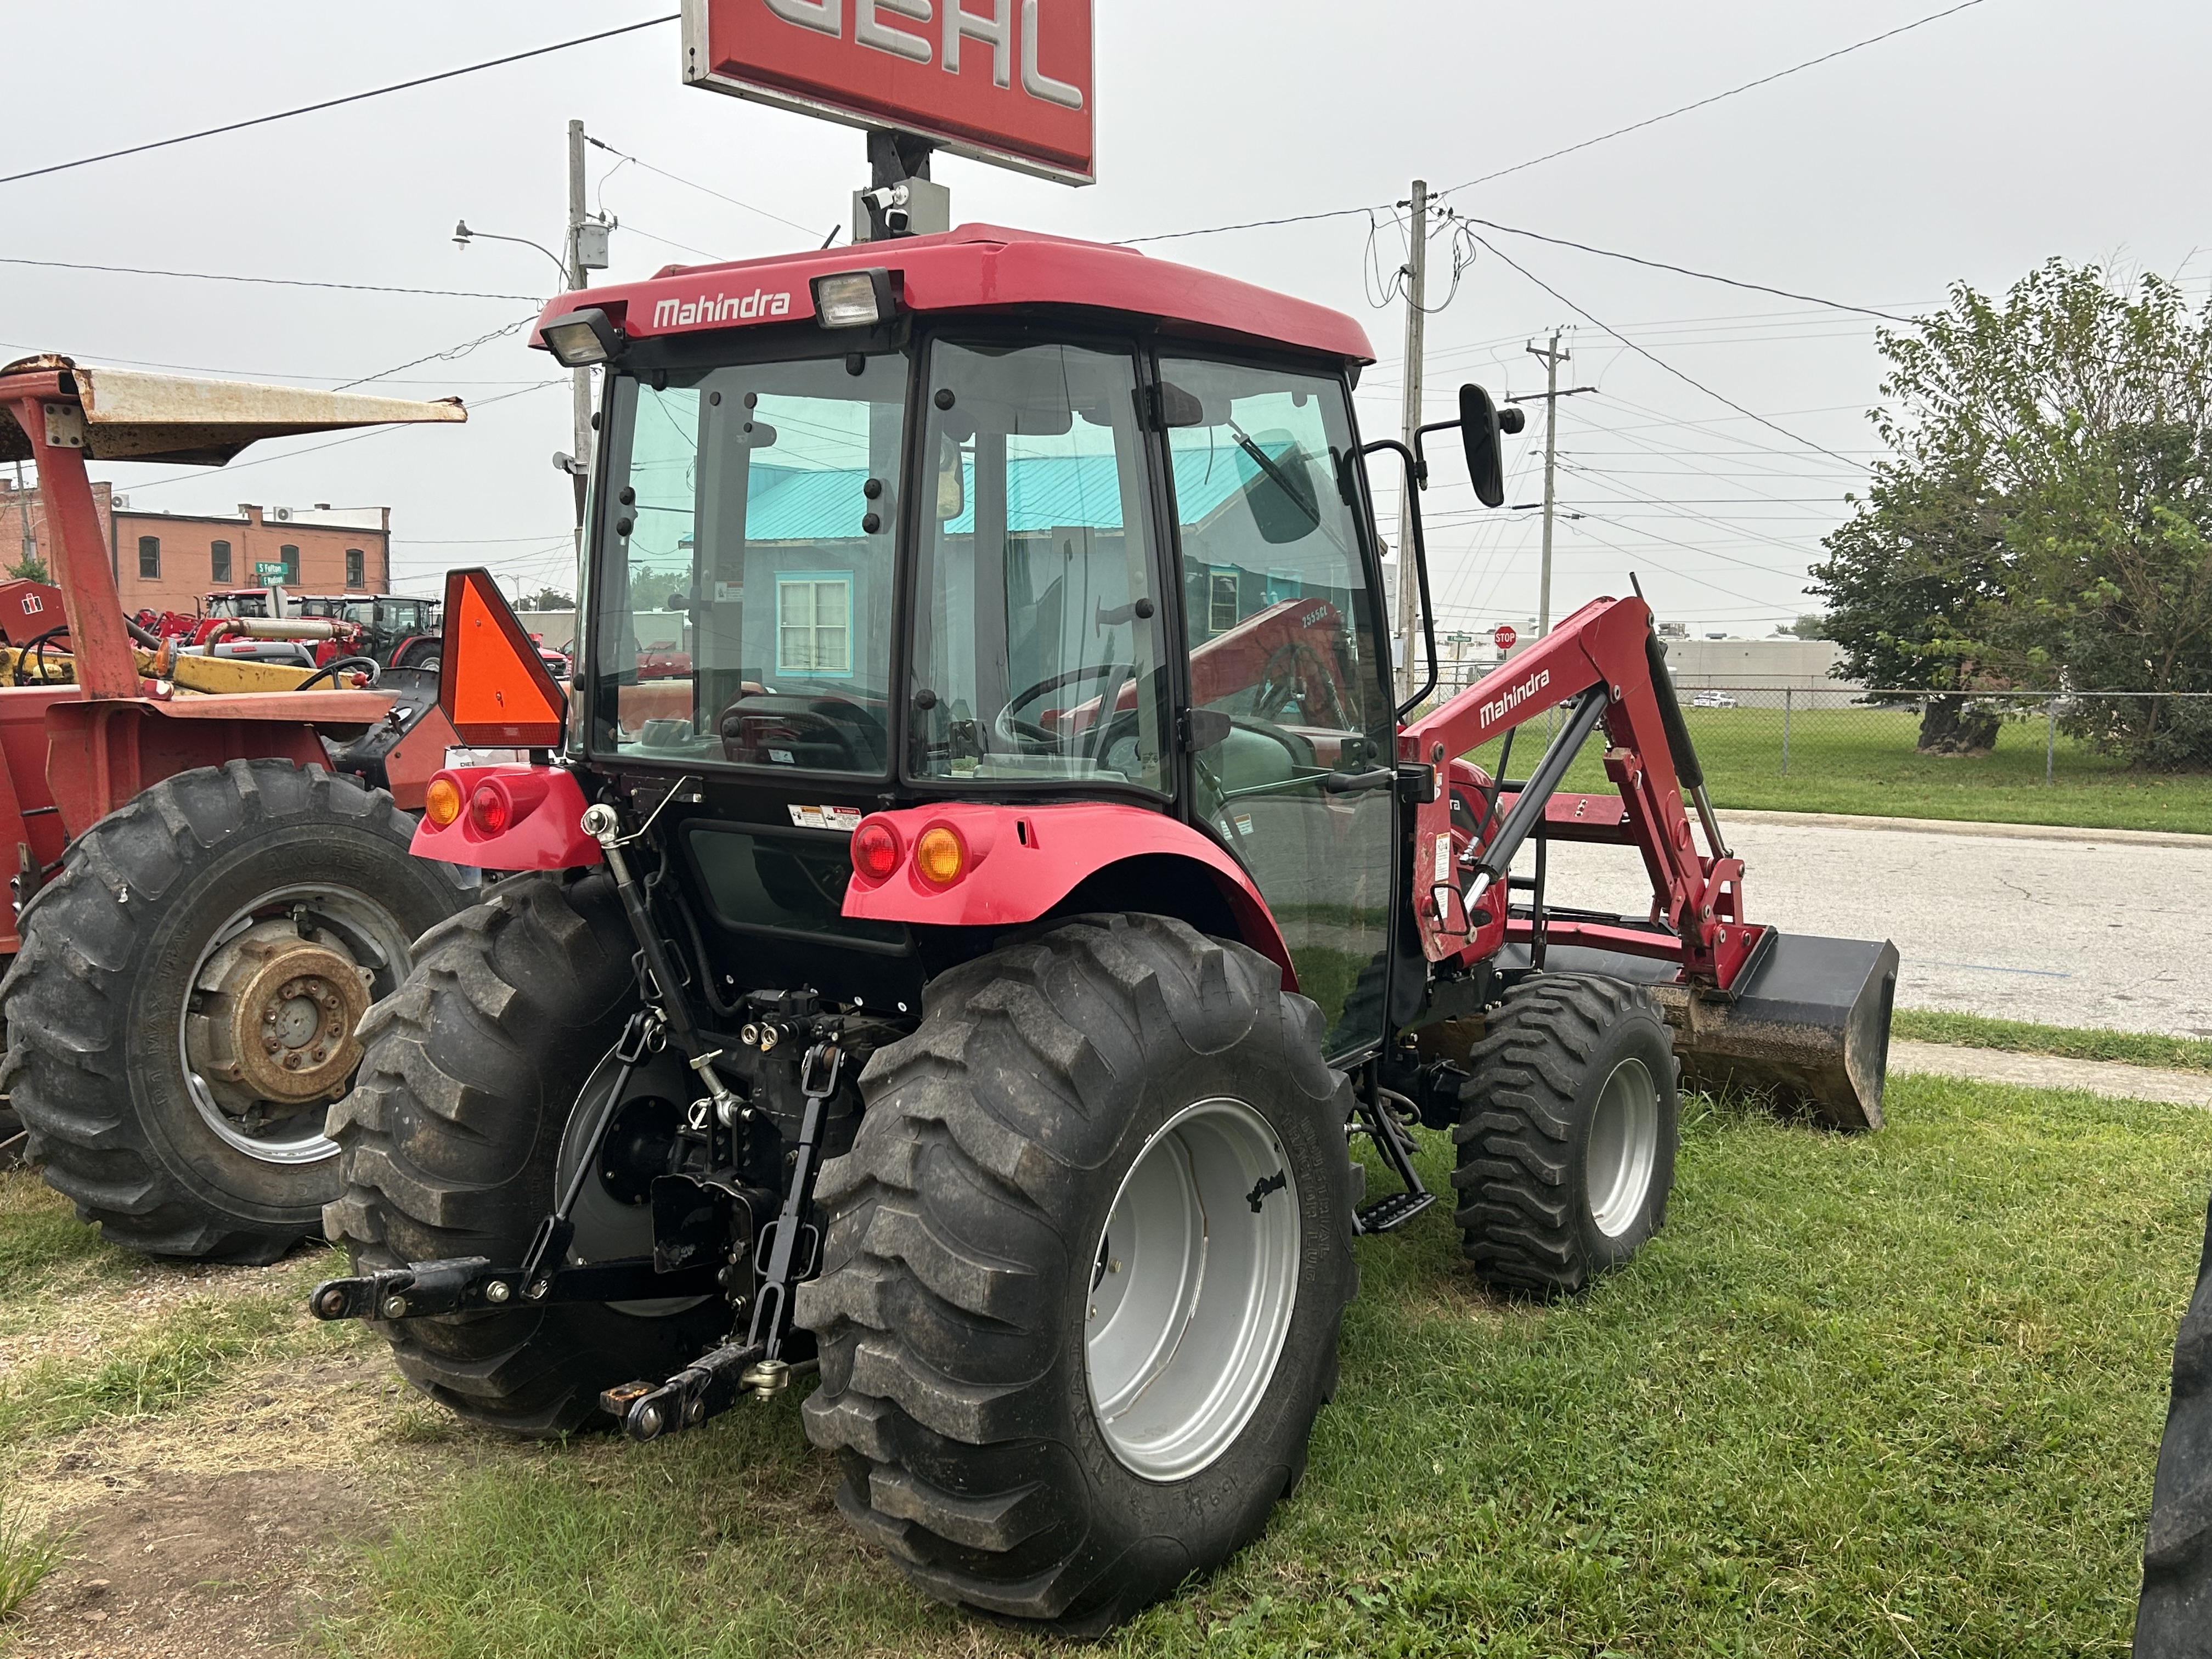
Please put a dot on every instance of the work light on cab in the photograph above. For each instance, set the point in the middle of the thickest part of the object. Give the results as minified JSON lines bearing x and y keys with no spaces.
{"x":851,"y":299}
{"x":441,"y":801}
{"x":875,"y":850}
{"x":582,"y":338}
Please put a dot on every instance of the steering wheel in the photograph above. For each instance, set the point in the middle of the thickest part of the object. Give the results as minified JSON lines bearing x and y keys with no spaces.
{"x":1015,"y":730}
{"x":1296,"y":675}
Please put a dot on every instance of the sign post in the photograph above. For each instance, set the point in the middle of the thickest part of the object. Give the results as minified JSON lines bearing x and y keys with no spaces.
{"x":1010,"y":84}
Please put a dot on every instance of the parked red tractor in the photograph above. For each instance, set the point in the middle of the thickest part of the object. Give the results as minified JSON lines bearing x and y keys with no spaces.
{"x":211,"y":877}
{"x":970,"y":978}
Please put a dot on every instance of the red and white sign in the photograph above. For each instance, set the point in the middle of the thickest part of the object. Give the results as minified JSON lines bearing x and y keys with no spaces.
{"x":1506,"y":639}
{"x":1002,"y":80}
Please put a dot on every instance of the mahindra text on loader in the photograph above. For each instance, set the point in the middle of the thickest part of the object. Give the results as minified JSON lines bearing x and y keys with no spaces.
{"x":969,"y":980}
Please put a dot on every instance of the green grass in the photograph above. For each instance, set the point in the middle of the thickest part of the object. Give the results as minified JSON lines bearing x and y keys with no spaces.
{"x":179,"y":1347}
{"x":26,"y":1556}
{"x":1862,"y":761}
{"x":1897,"y":1393}
{"x":2130,"y":1047}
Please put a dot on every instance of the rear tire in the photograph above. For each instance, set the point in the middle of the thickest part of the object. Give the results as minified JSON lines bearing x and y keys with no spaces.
{"x":963,"y":1311}
{"x":1566,"y":1133}
{"x":195,"y":906}
{"x":451,"y":1145}
{"x":2175,"y":1612}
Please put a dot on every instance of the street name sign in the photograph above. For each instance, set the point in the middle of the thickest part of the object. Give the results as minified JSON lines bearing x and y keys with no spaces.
{"x":1007,"y":81}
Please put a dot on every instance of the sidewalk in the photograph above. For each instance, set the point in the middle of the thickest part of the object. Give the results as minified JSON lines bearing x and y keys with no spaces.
{"x":2097,"y":1077}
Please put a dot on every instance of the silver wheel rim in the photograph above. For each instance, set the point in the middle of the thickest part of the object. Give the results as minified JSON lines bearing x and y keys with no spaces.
{"x":352,"y":922}
{"x":1193,"y":1286}
{"x":1624,"y":1147}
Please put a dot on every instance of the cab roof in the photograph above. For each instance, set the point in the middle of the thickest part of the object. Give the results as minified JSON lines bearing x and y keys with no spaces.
{"x":982,"y":269}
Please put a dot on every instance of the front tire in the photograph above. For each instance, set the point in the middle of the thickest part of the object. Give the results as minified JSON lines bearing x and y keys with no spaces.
{"x":186,"y":1002}
{"x":1566,"y":1133}
{"x":1082,"y":1121}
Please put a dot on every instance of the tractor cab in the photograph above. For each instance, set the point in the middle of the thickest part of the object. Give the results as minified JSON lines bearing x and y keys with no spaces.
{"x":991,"y":558}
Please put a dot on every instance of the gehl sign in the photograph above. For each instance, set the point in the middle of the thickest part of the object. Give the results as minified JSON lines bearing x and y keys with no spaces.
{"x":1002,"y":80}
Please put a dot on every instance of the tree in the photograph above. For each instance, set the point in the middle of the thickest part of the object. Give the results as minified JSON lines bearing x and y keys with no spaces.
{"x":2046,"y":520}
{"x":30,"y":569}
{"x":1811,"y":626}
{"x":549,"y":598}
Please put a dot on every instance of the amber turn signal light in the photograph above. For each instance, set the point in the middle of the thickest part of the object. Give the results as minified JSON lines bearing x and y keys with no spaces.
{"x":875,"y":850}
{"x":441,"y":801}
{"x":940,"y":856}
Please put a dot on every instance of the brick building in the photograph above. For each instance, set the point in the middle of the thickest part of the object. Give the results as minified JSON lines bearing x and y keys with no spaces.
{"x":167,"y":561}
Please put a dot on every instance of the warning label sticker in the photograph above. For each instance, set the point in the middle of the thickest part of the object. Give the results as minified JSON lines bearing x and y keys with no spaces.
{"x":846,"y":818}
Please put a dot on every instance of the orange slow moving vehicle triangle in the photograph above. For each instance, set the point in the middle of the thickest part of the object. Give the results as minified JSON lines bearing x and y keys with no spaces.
{"x":492,"y":684}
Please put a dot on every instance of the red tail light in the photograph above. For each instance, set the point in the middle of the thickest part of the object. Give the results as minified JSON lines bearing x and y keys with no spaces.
{"x":875,"y":850}
{"x":488,"y":809}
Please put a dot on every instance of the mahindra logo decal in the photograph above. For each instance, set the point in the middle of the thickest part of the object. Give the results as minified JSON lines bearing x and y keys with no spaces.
{"x":719,"y":308}
{"x":1514,"y":696}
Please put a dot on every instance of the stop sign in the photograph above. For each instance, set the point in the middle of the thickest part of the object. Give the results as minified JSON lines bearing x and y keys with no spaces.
{"x":1504,"y":639}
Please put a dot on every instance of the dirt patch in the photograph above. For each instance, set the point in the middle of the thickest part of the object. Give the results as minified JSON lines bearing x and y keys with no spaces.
{"x":194,"y":1566}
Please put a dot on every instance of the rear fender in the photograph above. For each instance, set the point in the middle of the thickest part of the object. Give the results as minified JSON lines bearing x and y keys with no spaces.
{"x":1021,"y":862}
{"x":544,"y":824}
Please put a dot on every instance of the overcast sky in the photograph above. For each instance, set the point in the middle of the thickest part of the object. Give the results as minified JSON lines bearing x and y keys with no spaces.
{"x":1966,"y":151}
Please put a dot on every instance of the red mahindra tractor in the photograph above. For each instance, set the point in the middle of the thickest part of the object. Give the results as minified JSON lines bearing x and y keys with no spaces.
{"x":970,"y":979}
{"x":209,"y":867}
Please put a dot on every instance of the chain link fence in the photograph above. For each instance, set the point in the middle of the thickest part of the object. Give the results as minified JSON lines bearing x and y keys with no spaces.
{"x":1813,"y":734}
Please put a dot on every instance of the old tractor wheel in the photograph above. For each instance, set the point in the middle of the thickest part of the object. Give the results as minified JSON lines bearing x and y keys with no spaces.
{"x":2176,"y":1607}
{"x":184,"y":1009}
{"x":1083,"y":1270}
{"x":453,"y":1145}
{"x":1566,"y":1133}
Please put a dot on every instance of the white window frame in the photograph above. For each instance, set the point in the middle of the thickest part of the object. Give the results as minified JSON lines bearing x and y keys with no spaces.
{"x":814,"y":581}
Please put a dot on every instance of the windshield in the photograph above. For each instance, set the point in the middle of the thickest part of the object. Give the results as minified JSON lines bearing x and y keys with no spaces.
{"x":744,"y":592}
{"x":1037,"y":637}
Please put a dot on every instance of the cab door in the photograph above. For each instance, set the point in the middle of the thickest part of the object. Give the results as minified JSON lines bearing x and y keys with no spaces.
{"x":1292,"y":726}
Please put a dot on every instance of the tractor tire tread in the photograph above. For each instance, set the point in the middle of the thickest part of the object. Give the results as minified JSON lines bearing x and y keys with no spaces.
{"x":937,"y":1306}
{"x":65,"y":997}
{"x":1518,"y":1208}
{"x":2175,"y":1608}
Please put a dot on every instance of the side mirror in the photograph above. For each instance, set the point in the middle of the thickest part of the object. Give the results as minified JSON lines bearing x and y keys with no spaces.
{"x":1480,"y":421}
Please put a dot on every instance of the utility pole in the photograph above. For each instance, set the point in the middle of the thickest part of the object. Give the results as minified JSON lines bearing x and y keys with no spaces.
{"x":1417,"y":286}
{"x":578,"y":278}
{"x":1552,"y":358}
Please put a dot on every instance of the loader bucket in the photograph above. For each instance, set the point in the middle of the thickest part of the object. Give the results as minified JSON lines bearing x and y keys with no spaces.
{"x":1810,"y":1023}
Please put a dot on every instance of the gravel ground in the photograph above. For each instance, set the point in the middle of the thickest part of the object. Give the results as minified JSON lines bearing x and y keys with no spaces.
{"x":2063,"y":927}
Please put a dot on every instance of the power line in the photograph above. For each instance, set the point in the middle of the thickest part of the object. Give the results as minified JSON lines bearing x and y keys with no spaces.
{"x":1685,"y":270}
{"x":358,"y":437}
{"x":1685,"y":109}
{"x":1553,"y":155}
{"x":1805,"y":442}
{"x":691,"y":183}
{"x":333,"y":103}
{"x":271,"y":282}
{"x":448,"y":355}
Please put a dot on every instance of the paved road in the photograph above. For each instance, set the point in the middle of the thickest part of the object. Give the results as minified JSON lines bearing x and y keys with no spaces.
{"x":2099,"y":931}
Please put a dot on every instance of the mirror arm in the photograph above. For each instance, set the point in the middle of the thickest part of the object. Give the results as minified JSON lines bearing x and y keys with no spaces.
{"x":1417,"y":475}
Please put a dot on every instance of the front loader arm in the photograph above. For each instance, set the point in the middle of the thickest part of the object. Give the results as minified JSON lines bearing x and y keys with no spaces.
{"x":1599,"y":662}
